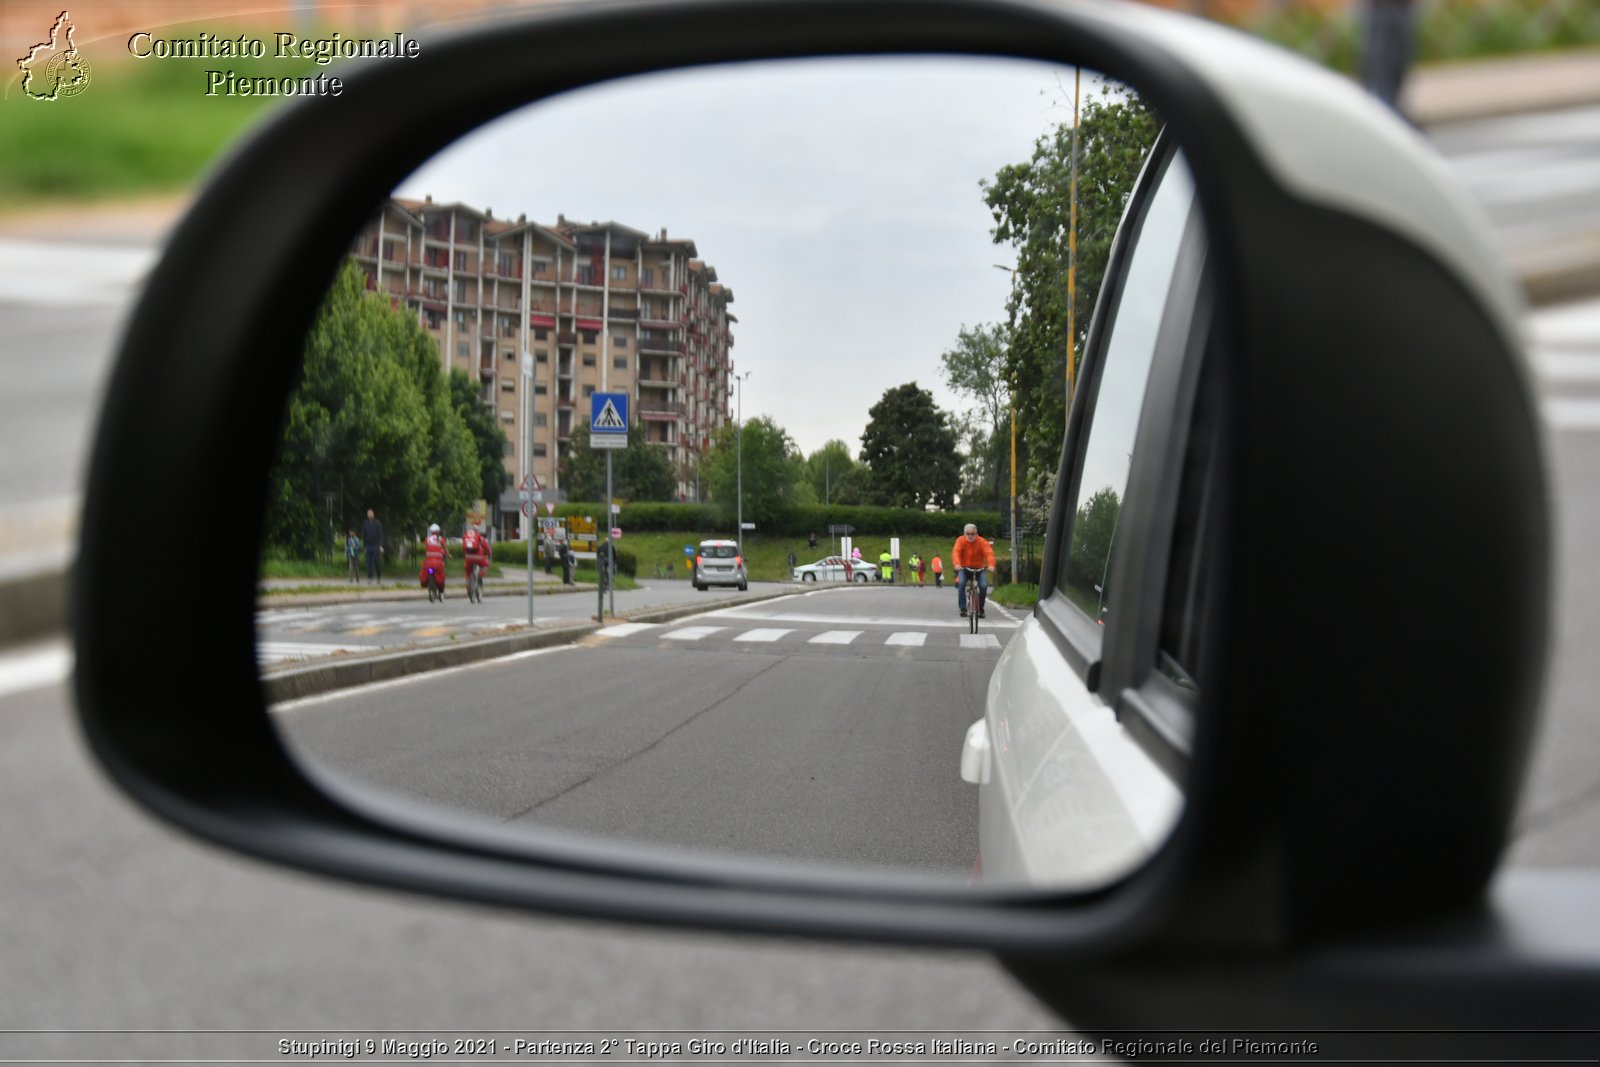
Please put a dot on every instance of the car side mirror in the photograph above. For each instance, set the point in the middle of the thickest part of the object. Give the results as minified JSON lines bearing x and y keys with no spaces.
{"x":1368,"y":457}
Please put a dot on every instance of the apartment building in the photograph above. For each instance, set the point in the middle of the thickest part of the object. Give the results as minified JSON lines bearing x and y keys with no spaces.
{"x":545,"y":315}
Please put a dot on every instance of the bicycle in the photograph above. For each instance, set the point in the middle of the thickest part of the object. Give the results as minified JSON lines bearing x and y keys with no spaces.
{"x":977,"y":596}
{"x":474,"y":583}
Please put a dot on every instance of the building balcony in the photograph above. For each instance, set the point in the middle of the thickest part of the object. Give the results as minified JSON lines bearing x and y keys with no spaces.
{"x":567,"y":337}
{"x":624,"y":313}
{"x":659,"y":410}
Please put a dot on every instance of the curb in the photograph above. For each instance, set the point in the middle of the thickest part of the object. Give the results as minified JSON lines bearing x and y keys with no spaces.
{"x":297,"y":683}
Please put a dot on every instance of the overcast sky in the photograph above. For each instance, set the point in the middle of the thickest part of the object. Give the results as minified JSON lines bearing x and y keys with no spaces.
{"x":838,"y":199}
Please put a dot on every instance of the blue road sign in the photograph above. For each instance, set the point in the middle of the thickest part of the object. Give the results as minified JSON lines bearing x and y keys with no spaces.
{"x":608,"y":415}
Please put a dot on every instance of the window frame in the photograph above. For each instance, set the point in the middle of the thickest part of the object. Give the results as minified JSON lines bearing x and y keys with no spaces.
{"x":1085,"y":644}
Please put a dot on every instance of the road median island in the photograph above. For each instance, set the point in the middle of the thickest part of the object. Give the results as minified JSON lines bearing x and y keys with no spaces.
{"x":350,"y":671}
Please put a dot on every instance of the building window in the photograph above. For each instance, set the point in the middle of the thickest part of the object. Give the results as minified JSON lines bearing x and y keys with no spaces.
{"x":463,"y":349}
{"x":461,"y":291}
{"x":541,"y":335}
{"x":511,"y":355}
{"x":508,"y":263}
{"x":506,"y":448}
{"x":461,"y":261}
{"x":588,"y":360}
{"x":540,"y":266}
{"x":538,"y":389}
{"x":586,"y":275}
{"x":508,"y":385}
{"x":540,"y":418}
{"x":647,"y":276}
{"x":434,"y":319}
{"x":538,"y":448}
{"x":506,"y":415}
{"x":588,"y":390}
{"x":542,"y":355}
{"x":587,"y":336}
{"x":620,"y":363}
{"x":619,"y":274}
{"x":619,"y":341}
{"x":388,"y":250}
{"x":461,"y":317}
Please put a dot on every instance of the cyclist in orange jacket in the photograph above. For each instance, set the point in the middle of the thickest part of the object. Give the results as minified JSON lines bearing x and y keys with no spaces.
{"x":971,"y":552}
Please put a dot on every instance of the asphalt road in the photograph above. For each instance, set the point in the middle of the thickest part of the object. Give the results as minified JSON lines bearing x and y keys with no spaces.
{"x":819,"y":727}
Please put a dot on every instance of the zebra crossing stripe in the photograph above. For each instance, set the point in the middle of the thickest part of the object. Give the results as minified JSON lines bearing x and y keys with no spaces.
{"x":835,"y":637}
{"x":979,"y":641}
{"x":623,"y":629}
{"x":763,"y":635}
{"x":911,"y":639}
{"x":692,"y":633}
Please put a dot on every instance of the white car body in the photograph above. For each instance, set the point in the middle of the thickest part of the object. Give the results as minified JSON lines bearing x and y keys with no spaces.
{"x":835,"y":569}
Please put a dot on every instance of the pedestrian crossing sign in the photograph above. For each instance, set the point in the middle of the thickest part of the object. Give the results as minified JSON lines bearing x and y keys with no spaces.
{"x":609,"y":414}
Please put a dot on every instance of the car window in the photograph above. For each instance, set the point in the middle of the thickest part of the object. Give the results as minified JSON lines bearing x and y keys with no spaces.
{"x":1129,"y":350}
{"x":719,"y":551}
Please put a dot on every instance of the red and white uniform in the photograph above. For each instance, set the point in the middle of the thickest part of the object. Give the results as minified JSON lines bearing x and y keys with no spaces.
{"x":475,"y":547}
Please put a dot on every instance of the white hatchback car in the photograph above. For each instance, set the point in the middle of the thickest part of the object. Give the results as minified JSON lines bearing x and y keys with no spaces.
{"x":834,"y":569}
{"x":719,"y":563}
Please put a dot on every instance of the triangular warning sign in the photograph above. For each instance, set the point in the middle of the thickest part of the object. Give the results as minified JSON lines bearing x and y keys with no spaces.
{"x":609,"y":418}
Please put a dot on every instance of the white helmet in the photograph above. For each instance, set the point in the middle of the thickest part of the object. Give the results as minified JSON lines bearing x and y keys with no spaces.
{"x":434,"y":528}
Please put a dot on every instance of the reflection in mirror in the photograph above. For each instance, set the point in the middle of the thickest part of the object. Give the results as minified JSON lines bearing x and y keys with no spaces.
{"x":545,"y":318}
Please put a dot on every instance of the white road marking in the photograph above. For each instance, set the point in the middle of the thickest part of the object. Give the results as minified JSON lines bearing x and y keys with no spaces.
{"x":1565,"y":413}
{"x":35,"y":668}
{"x":911,"y":639}
{"x":835,"y":637}
{"x":979,"y":641}
{"x":692,"y":633}
{"x":765,"y":635}
{"x":752,"y":615}
{"x":411,"y":679}
{"x":623,"y":629}
{"x":1566,"y":367}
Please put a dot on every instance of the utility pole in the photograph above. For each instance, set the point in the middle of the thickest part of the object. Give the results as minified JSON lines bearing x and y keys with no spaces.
{"x":1072,"y":251}
{"x":739,"y":449}
{"x":1013,"y":414}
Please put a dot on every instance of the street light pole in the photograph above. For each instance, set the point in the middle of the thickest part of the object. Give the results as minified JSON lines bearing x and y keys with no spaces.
{"x":739,"y":447}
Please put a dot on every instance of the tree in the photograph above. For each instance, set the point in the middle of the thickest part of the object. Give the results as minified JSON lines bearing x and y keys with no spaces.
{"x":488,"y":437}
{"x":639,"y":472}
{"x":828,"y":470}
{"x":976,"y":368}
{"x":1030,"y":203}
{"x":910,"y":447}
{"x":370,"y":420}
{"x":773,"y":469}
{"x":1093,"y":537}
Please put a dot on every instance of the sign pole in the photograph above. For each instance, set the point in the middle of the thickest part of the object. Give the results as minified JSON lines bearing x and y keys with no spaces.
{"x":611,"y":546}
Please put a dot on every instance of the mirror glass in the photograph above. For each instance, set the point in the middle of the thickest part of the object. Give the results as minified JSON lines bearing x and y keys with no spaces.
{"x":785,"y":318}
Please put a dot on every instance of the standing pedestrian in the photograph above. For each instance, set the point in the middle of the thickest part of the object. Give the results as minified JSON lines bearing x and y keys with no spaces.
{"x":792,"y":560}
{"x":1387,"y":36}
{"x":885,"y":566}
{"x":938,"y":572}
{"x":352,"y":556}
{"x":812,"y":541}
{"x":372,"y":538}
{"x":917,"y":567}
